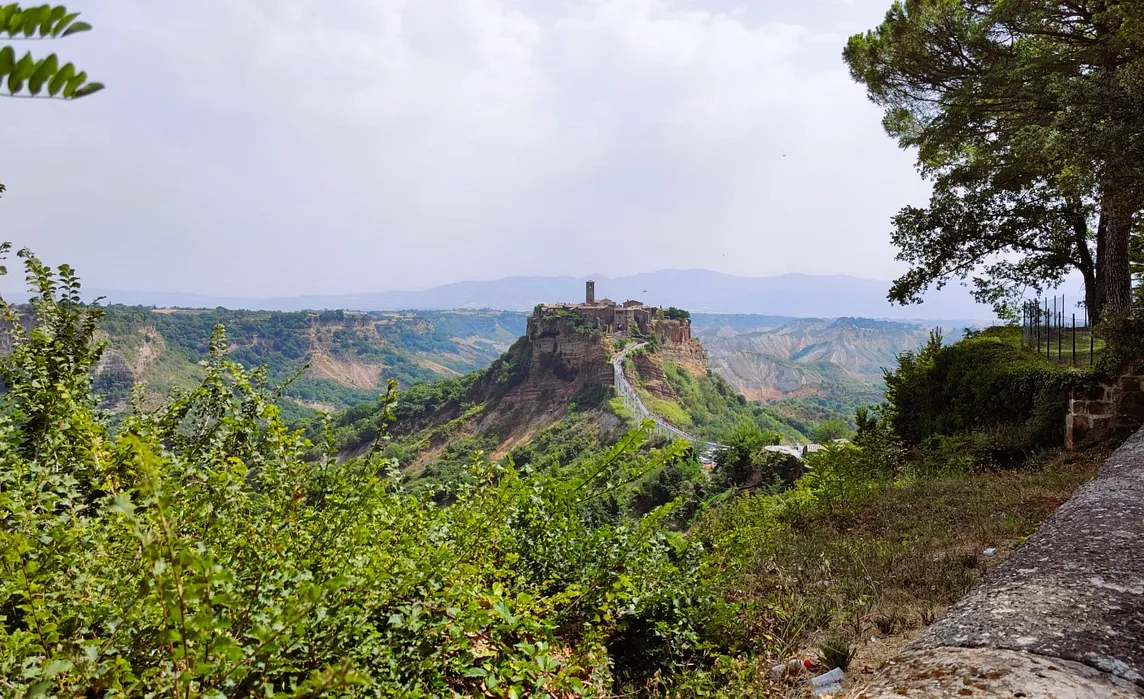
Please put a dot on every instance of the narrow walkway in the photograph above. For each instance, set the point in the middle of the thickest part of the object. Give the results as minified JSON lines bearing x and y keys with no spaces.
{"x":636,"y":406}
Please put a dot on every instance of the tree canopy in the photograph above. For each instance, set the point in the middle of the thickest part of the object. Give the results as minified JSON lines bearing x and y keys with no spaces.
{"x":1026,"y":115}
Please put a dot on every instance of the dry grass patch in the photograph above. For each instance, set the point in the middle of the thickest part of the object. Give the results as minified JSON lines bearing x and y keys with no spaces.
{"x":882,"y":567}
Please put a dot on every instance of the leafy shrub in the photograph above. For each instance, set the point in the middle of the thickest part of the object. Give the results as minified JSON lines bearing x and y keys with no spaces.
{"x":196,"y":552}
{"x":980,"y":383}
{"x":1123,"y":334}
{"x":682,"y":480}
{"x":830,"y":430}
{"x":843,"y":475}
{"x":743,"y":462}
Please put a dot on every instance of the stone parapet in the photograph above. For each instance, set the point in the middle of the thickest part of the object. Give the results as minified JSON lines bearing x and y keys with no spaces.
{"x":1103,"y":408}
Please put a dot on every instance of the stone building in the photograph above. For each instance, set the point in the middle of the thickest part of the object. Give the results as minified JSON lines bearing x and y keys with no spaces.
{"x":629,"y":318}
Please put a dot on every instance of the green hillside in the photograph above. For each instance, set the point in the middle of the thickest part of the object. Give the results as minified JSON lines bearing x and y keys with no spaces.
{"x":330,"y":360}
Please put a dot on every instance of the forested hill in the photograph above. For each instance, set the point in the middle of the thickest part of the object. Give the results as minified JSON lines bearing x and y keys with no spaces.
{"x":349,"y":355}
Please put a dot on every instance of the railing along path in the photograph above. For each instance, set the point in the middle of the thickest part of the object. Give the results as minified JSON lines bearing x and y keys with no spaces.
{"x":636,"y":406}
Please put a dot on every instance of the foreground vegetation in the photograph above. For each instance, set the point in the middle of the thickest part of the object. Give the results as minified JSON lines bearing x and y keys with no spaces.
{"x":204,"y":549}
{"x":216,"y":560}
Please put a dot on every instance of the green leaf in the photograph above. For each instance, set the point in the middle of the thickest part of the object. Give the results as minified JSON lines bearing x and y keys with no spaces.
{"x":122,"y":504}
{"x":60,"y":79}
{"x":46,"y":69}
{"x":73,"y":85}
{"x":31,"y":23}
{"x":55,"y":667}
{"x":7,"y":60}
{"x":39,"y":689}
{"x":25,"y":66}
{"x":77,"y":27}
{"x":15,"y":22}
{"x":88,"y":89}
{"x":63,"y":22}
{"x":47,"y":20}
{"x":22,"y":71}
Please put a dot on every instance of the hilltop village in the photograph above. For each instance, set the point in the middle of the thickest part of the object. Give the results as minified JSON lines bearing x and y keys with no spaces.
{"x":628,"y":319}
{"x":549,"y":328}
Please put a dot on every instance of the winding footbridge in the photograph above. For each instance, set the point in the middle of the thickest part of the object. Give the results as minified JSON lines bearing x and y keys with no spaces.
{"x":636,"y":406}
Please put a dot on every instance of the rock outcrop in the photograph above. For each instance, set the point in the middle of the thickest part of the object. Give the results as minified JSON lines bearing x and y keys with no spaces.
{"x":651,"y":376}
{"x":563,"y":357}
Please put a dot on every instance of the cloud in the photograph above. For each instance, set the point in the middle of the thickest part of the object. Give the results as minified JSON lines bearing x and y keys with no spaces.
{"x":306,"y":146}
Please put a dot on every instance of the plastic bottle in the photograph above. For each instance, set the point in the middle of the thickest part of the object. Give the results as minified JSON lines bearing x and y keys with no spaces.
{"x":833,"y":677}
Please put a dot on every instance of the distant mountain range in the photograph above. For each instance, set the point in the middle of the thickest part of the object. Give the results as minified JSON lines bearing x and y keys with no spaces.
{"x":798,"y":295}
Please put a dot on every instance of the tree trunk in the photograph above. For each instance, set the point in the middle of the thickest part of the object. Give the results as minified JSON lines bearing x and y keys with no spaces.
{"x":1113,"y":265}
{"x":1084,"y":261}
{"x":1100,"y":293}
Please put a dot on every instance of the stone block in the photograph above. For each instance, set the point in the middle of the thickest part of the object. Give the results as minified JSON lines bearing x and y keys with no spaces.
{"x":1078,"y":427}
{"x":1093,"y":391}
{"x":1097,"y":407}
{"x":1129,"y":402}
{"x":1129,"y":383}
{"x":1101,"y":423}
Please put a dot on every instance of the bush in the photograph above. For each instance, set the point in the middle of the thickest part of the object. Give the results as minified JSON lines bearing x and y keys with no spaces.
{"x":844,"y":475}
{"x":197,"y":553}
{"x":745,"y":463}
{"x":829,"y":431}
{"x":1123,"y":335}
{"x":682,"y":480}
{"x":835,"y":652}
{"x":981,"y":383}
{"x":590,"y":396}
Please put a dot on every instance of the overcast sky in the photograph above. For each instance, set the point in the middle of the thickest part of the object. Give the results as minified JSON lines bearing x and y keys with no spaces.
{"x":283,"y":147}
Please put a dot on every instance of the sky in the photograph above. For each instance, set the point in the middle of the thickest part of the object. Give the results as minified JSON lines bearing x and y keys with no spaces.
{"x":286,"y":147}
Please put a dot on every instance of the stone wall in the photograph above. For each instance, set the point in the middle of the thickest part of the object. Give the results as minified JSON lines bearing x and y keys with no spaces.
{"x":1103,"y":409}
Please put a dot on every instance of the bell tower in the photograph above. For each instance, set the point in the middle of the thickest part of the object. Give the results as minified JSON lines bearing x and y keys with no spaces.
{"x":590,"y":293}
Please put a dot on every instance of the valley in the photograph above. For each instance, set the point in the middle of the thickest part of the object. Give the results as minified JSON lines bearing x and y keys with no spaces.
{"x":793,"y":373}
{"x":324,"y":361}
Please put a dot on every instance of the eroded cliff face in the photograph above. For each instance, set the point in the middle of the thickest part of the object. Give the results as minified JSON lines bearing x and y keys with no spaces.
{"x":689,"y":355}
{"x":761,"y":377}
{"x":804,"y":356}
{"x":651,"y":376}
{"x":563,"y":359}
{"x":676,"y":332}
{"x":532,"y":385}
